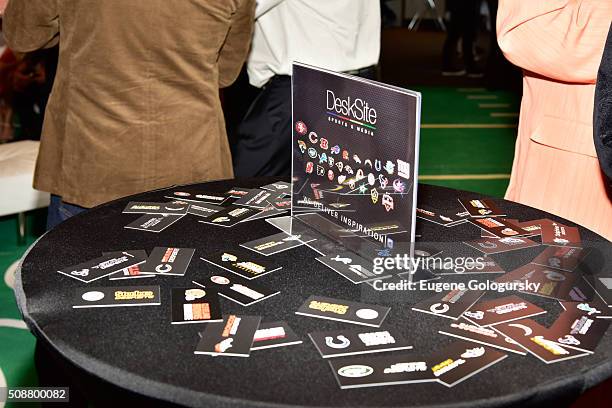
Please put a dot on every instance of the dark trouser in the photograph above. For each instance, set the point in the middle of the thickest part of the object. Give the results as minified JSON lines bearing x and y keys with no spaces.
{"x":463,"y":24}
{"x":263,"y":146}
{"x":60,"y":211}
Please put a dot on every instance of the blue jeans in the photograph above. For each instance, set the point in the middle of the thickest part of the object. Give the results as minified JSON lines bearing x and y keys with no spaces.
{"x":60,"y":211}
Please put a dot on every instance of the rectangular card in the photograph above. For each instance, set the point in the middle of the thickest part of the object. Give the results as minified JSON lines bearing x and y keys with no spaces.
{"x":238,"y":192}
{"x":564,"y":258}
{"x":195,"y":305}
{"x":447,"y":219}
{"x":279,"y":186}
{"x":168,"y":261}
{"x":491,"y":246}
{"x":538,"y":341}
{"x":465,"y":330}
{"x":499,"y":227}
{"x":274,"y":244}
{"x":534,"y":226}
{"x":593,"y":307}
{"x":237,"y":289}
{"x":481,"y":208}
{"x":351,"y":266}
{"x":461,"y":360}
{"x":576,"y":330}
{"x":198,"y":196}
{"x":100,"y":267}
{"x":135,"y":207}
{"x":114,"y":296}
{"x":231,"y":337}
{"x":274,"y":334}
{"x":343,"y":311}
{"x":269,"y":211}
{"x":451,"y":304}
{"x":501,"y":310}
{"x":340,"y":343}
{"x":375,"y":371}
{"x":204,"y":209}
{"x":257,"y":198}
{"x":485,"y":234}
{"x":132,"y":272}
{"x":486,"y":265}
{"x":281,"y":203}
{"x":556,"y":234}
{"x":230,"y":216}
{"x":154,"y":222}
{"x":542,"y":281}
{"x":243,"y":263}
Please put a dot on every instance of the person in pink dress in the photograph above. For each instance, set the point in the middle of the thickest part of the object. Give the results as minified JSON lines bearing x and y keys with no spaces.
{"x":559,"y":45}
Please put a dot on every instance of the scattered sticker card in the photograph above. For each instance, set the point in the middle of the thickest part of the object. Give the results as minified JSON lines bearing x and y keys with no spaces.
{"x":344,"y":311}
{"x":114,"y":296}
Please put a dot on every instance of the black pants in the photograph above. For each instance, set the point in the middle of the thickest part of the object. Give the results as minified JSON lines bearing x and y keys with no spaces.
{"x":263,"y":145}
{"x":463,"y":24}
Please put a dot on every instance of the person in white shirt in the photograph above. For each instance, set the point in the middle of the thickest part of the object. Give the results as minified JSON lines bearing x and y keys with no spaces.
{"x":340,"y":35}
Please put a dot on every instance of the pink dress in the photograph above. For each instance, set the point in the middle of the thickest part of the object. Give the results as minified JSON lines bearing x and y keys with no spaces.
{"x":559,"y":44}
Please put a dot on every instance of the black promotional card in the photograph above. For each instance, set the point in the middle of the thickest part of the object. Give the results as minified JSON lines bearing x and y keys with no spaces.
{"x":257,"y":198}
{"x":465,"y":330}
{"x":343,"y":311}
{"x":450,"y":304}
{"x":355,"y":154}
{"x":188,"y":194}
{"x":485,"y":265}
{"x":461,"y":360}
{"x":195,"y":305}
{"x":490,"y":246}
{"x":376,"y":371}
{"x":341,"y":343}
{"x":593,"y":307}
{"x":231,"y":337}
{"x":538,"y":341}
{"x":448,"y":218}
{"x":499,"y":227}
{"x":106,"y":265}
{"x":576,"y":330}
{"x":156,"y":208}
{"x":481,"y":208}
{"x":281,"y":203}
{"x":238,"y":192}
{"x":276,"y":243}
{"x":274,"y":334}
{"x":113,"y":296}
{"x":279,"y":187}
{"x":204,"y":209}
{"x":132,"y":272}
{"x":269,"y":211}
{"x":501,"y":310}
{"x":353,"y":267}
{"x":244,"y":263}
{"x":230,"y":216}
{"x":168,"y":261}
{"x":556,"y":234}
{"x":154,"y":222}
{"x":542,"y":281}
{"x":564,"y":258}
{"x":237,"y":289}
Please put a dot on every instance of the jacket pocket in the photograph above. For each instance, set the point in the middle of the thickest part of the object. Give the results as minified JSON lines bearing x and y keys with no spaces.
{"x":565,"y":134}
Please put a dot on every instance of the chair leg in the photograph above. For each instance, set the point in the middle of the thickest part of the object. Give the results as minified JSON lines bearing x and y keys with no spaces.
{"x":21,"y":228}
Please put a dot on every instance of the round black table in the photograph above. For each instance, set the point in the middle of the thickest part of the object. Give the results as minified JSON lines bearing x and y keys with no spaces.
{"x":137,"y":349}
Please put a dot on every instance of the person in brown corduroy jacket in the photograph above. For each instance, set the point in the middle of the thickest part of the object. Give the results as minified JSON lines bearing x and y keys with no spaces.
{"x":135,"y":104}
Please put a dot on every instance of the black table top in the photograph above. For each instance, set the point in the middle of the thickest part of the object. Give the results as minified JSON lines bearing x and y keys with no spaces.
{"x":137,"y":348}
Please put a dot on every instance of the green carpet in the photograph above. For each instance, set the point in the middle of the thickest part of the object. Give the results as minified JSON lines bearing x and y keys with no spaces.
{"x":473,"y":159}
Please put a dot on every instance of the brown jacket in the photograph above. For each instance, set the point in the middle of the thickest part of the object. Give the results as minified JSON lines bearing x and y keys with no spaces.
{"x":135,"y":104}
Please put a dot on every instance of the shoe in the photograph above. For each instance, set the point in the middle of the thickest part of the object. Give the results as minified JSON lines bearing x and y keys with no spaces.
{"x":453,"y":72}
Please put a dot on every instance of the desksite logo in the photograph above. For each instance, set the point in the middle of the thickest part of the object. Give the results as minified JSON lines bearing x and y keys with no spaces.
{"x":353,"y":113}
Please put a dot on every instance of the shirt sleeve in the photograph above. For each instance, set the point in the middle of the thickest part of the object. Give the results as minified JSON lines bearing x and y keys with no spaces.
{"x":237,"y":43}
{"x":29,"y":25}
{"x":558,"y":39}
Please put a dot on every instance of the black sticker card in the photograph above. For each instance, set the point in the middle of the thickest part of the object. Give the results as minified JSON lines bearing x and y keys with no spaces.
{"x":168,"y":261}
{"x":195,"y":305}
{"x":340,"y":343}
{"x":343,"y":311}
{"x":100,"y":267}
{"x":274,"y":334}
{"x":114,"y":296}
{"x":451,"y":304}
{"x":244,"y":263}
{"x":154,"y":222}
{"x":242,"y":291}
{"x":231,"y":337}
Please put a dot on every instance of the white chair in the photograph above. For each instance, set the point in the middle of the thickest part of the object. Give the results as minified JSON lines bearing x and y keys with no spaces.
{"x":17,"y":161}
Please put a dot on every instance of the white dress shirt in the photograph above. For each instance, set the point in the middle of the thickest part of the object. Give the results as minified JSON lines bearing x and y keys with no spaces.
{"x":340,"y":35}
